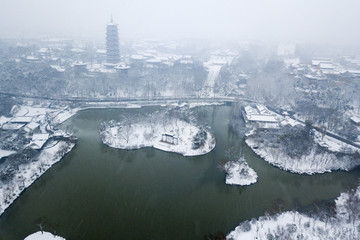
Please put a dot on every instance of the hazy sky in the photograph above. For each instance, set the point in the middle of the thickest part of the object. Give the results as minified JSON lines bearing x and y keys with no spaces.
{"x":276,"y":20}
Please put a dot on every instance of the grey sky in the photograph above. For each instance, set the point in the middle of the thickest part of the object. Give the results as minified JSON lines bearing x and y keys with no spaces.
{"x":275,"y":20}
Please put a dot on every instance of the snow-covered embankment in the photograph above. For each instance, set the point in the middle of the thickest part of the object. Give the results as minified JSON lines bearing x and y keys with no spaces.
{"x":294,"y":225}
{"x":317,"y":160}
{"x":31,"y":171}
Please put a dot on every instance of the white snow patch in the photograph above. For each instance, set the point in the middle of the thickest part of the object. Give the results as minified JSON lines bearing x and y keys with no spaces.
{"x":3,"y":120}
{"x":5,"y":153}
{"x":43,"y":236}
{"x":333,"y":144}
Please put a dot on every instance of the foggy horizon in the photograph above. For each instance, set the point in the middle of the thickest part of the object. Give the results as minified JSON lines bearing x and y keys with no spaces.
{"x":328,"y":22}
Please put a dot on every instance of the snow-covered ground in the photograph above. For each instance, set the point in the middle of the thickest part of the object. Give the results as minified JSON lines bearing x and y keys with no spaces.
{"x":213,"y":65}
{"x":318,"y":160}
{"x":5,"y":153}
{"x":294,"y":225}
{"x":39,"y":114}
{"x":333,"y":144}
{"x":239,"y":173}
{"x":43,"y":236}
{"x":141,"y":135}
{"x":29,"y":172}
{"x":314,"y":162}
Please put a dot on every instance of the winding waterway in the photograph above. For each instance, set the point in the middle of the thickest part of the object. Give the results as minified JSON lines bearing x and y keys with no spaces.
{"x":97,"y":192}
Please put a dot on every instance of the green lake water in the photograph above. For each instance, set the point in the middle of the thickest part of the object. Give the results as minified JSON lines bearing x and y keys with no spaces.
{"x":96,"y":192}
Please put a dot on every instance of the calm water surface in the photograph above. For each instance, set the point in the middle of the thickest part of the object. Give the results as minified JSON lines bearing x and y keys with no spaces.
{"x":97,"y":192}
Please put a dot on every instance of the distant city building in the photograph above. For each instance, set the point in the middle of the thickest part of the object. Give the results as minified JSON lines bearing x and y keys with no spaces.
{"x":112,"y":43}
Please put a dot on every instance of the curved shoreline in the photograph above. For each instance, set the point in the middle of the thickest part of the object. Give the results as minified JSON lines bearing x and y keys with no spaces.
{"x":325,"y":161}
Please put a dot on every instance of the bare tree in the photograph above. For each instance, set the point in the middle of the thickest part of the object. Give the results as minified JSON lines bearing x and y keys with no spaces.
{"x":125,"y":128}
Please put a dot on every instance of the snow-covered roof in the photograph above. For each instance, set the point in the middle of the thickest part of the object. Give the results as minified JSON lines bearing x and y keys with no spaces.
{"x":37,"y":144}
{"x":185,"y":61}
{"x":317,"y":62}
{"x":77,"y":50}
{"x":12,"y":126}
{"x":355,"y":119}
{"x":138,"y":57}
{"x":80,"y":64}
{"x":309,"y":76}
{"x":354,"y":71}
{"x":261,"y":108}
{"x":250,"y":110}
{"x":122,"y":67}
{"x":330,"y":71}
{"x":58,"y":68}
{"x":24,"y":119}
{"x":43,"y":50}
{"x":31,"y":126}
{"x":170,"y":134}
{"x":40,"y":136}
{"x":38,"y":140}
{"x":32,"y":58}
{"x":326,"y":65}
{"x":101,"y":51}
{"x":262,"y":118}
{"x":153,"y":60}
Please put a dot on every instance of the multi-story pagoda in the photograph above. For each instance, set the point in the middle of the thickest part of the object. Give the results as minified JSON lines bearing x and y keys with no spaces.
{"x":112,"y":43}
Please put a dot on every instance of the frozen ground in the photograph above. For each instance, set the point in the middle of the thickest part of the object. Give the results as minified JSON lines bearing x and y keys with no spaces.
{"x":29,"y":172}
{"x":43,"y":236}
{"x":294,"y":225}
{"x":150,"y":135}
{"x":239,"y":173}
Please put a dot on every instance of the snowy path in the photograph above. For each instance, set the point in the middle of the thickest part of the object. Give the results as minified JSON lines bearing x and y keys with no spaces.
{"x":208,"y":89}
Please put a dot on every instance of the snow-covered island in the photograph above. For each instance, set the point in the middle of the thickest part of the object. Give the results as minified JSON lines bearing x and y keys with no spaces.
{"x":295,"y":225}
{"x":167,"y":134}
{"x":239,"y":173}
{"x":43,"y":236}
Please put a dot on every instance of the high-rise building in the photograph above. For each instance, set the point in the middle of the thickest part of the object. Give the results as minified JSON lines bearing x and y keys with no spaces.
{"x":112,"y":43}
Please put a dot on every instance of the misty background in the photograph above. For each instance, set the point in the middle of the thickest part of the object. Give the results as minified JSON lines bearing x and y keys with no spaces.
{"x":302,"y":21}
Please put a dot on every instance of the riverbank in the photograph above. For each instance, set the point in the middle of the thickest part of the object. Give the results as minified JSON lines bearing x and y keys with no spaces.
{"x":29,"y":172}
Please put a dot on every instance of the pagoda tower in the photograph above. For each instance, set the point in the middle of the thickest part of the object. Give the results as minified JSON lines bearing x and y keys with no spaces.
{"x":112,"y":43}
